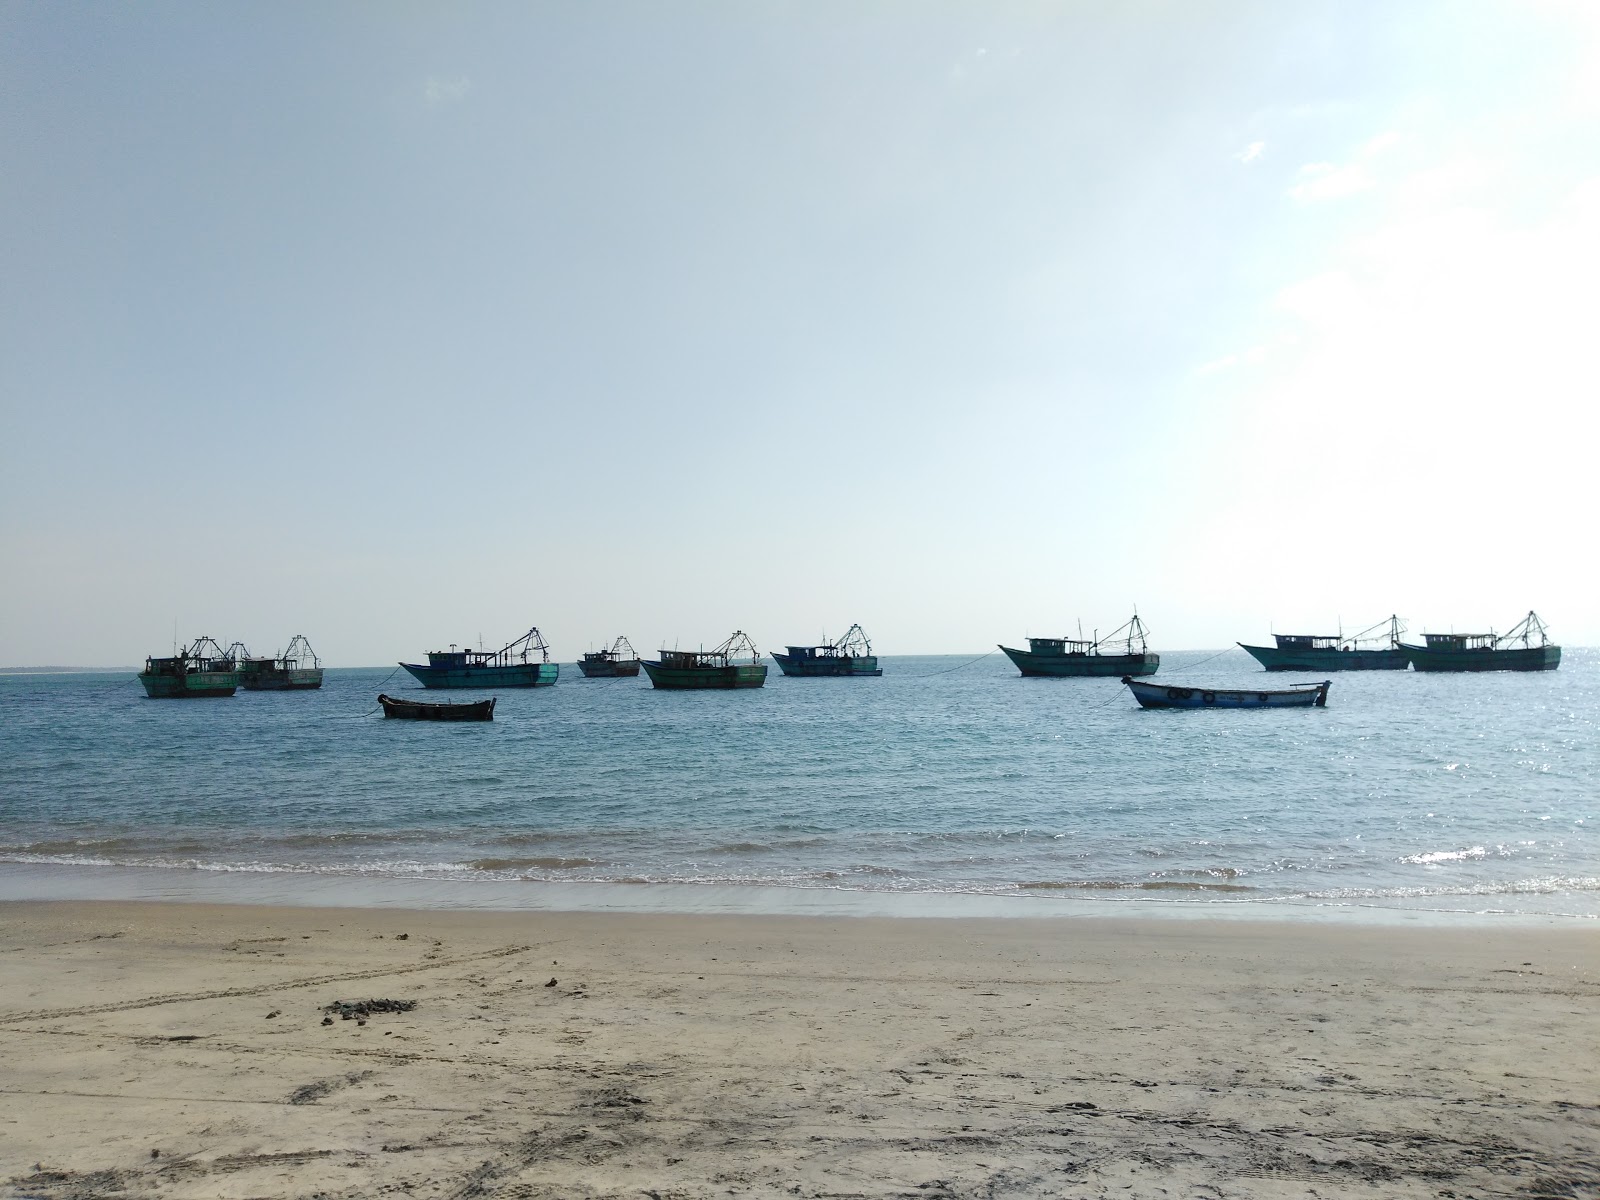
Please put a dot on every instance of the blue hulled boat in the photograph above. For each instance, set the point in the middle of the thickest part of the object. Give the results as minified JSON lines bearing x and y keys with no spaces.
{"x":850,"y":655}
{"x":525,"y":663}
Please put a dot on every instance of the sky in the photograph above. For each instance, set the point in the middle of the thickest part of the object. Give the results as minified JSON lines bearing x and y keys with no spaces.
{"x":400,"y":325}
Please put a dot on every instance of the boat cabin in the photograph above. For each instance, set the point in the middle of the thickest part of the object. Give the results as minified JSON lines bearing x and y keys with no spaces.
{"x":1460,"y":641}
{"x":693,"y":660}
{"x":815,"y":652}
{"x":1060,"y":647}
{"x":451,"y":658}
{"x":1307,"y":641}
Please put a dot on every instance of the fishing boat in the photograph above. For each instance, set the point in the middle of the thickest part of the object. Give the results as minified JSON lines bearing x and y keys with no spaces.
{"x":719,"y":668}
{"x":428,"y":710}
{"x":1526,"y":648}
{"x":1113,"y":654}
{"x":296,"y":669}
{"x":1156,"y":695}
{"x":200,"y":669}
{"x":1335,"y":652}
{"x":850,"y":655}
{"x":620,"y":660}
{"x":524,"y":663}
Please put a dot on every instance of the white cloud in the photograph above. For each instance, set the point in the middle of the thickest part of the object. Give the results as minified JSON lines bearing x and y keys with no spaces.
{"x":1324,"y":181}
{"x":1251,"y":152}
{"x":445,"y":91}
{"x":1247,"y":358}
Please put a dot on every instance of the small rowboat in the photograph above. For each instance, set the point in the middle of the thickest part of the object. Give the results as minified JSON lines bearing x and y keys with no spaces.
{"x":1160,"y":695}
{"x":423,"y":710}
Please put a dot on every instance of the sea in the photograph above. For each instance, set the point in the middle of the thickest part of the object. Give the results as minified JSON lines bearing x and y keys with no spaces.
{"x":949,"y":786}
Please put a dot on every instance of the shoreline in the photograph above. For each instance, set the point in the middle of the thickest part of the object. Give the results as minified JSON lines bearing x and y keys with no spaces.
{"x":184,"y":1050}
{"x":21,"y":882}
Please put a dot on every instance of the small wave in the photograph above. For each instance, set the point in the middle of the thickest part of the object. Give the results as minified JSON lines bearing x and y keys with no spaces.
{"x":1439,"y":856}
{"x":532,"y":864}
{"x":1144,"y":885}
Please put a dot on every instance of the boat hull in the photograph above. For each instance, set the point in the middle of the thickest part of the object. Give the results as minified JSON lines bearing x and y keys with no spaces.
{"x":195,"y":686}
{"x":1156,"y":695}
{"x":741,"y":675}
{"x":1531,"y":658}
{"x":627,"y":668}
{"x":1068,"y":665}
{"x":863,"y":666}
{"x":423,"y":710}
{"x":1314,"y":661}
{"x":520,"y":675}
{"x":297,"y":680}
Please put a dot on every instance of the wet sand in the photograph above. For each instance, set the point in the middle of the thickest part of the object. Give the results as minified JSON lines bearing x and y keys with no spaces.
{"x":183,"y":1050}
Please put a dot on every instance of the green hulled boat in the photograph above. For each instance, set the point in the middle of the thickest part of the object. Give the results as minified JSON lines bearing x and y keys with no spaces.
{"x":620,"y":661}
{"x":1526,"y":648}
{"x":1092,"y":656}
{"x":850,"y":655}
{"x":1335,"y":652}
{"x":198,"y":670}
{"x":524,"y":663}
{"x":694,"y":669}
{"x":296,"y":669}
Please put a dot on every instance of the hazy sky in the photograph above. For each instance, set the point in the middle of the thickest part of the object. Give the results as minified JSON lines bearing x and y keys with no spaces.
{"x":402,"y":324}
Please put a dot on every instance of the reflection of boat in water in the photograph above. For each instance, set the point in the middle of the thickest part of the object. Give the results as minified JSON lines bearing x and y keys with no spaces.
{"x":684,"y":669}
{"x":1094,"y":656}
{"x":1157,"y":695}
{"x":296,"y":669}
{"x":1334,"y":652}
{"x":1514,"y":651}
{"x":524,"y":663}
{"x":620,"y":660}
{"x":850,"y":655}
{"x":427,"y":710}
{"x":200,"y":669}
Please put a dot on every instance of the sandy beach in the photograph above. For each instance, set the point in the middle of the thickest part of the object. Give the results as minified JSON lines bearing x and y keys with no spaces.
{"x":181,"y":1050}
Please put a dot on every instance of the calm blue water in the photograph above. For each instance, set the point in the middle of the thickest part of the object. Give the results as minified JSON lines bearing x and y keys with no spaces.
{"x":1429,"y":793}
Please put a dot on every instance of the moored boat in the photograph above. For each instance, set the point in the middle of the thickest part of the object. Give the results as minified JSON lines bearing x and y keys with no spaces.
{"x":1335,"y":652}
{"x":1157,"y":695}
{"x":429,"y":710}
{"x":523,"y":663}
{"x":1093,"y":656}
{"x":621,"y":659}
{"x":719,"y":668}
{"x":296,"y":669}
{"x":198,"y":670}
{"x":850,"y":655}
{"x":1526,"y":648}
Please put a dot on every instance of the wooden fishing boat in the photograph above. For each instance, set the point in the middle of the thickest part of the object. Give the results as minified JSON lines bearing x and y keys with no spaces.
{"x":296,"y":669}
{"x":1334,"y":652}
{"x":618,"y":661}
{"x":1514,"y":651}
{"x":428,"y":710}
{"x":1061,"y":656}
{"x":523,"y":663}
{"x":201,"y":669}
{"x":1157,"y":695}
{"x":850,"y":655}
{"x":686,"y":669}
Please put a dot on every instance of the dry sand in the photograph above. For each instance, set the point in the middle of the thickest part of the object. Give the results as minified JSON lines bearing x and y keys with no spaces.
{"x":181,"y":1051}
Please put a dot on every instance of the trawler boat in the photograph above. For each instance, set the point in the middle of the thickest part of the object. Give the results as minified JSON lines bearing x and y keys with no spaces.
{"x":620,"y":660}
{"x":734,"y":664}
{"x":296,"y":669}
{"x":523,"y":663}
{"x":1526,"y":648}
{"x":850,"y":655}
{"x":1092,"y":656}
{"x":201,"y":669}
{"x":1335,"y":652}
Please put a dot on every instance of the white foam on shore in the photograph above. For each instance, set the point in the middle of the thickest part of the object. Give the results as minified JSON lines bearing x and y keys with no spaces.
{"x":21,"y":882}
